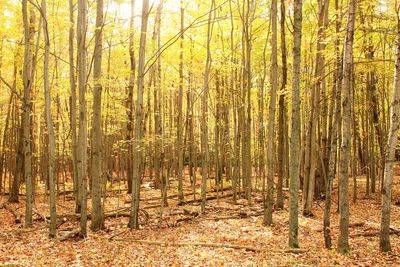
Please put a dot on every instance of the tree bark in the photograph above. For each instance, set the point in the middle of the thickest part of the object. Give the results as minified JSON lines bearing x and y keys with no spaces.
{"x":271,"y":118}
{"x":72,"y":81}
{"x":204,"y":109}
{"x":294,"y":166}
{"x":282,"y":124}
{"x":29,"y":31}
{"x":333,"y":150}
{"x":179,"y":123}
{"x":82,"y":133}
{"x":384,"y":243}
{"x":343,"y":240}
{"x":134,"y":216}
{"x":97,"y":210}
{"x":49,"y":124}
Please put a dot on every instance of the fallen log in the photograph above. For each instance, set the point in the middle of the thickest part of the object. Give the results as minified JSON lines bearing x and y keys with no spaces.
{"x":375,"y":233}
{"x":199,"y":200}
{"x":115,"y":213}
{"x":213,"y":190}
{"x":212,"y":245}
{"x":168,"y":197}
{"x":241,"y":215}
{"x":183,"y":244}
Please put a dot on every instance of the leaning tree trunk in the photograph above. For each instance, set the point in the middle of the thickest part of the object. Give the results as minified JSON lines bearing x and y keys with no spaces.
{"x":315,"y":107}
{"x":384,"y":243}
{"x":343,"y":240}
{"x":294,"y":166}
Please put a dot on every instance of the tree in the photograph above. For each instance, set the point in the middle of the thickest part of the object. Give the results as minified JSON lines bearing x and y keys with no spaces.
{"x":179,"y":123}
{"x":282,"y":124}
{"x":82,"y":133}
{"x":204,"y":109}
{"x":343,"y":240}
{"x":29,"y":31}
{"x":72,"y":81}
{"x":384,"y":240}
{"x":313,"y":149}
{"x":294,"y":167}
{"x":97,"y":210}
{"x":49,"y":124}
{"x":334,"y":132}
{"x":129,"y":99}
{"x":271,"y":118}
{"x":134,"y":216}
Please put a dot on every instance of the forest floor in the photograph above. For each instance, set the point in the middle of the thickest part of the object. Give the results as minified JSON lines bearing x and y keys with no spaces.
{"x":226,"y":234}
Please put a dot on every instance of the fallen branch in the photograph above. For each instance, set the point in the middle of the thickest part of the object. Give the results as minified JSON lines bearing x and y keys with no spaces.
{"x":375,"y":233}
{"x":241,"y":215}
{"x":182,"y":244}
{"x":212,"y":245}
{"x":199,"y":200}
{"x":14,"y":213}
{"x":295,"y":250}
{"x":69,"y":235}
{"x":109,"y":214}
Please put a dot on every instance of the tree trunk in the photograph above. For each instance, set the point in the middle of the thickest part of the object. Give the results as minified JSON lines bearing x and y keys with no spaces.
{"x":282,"y":125}
{"x":97,"y":211}
{"x":294,"y":166}
{"x":343,"y":240}
{"x":271,"y":119}
{"x":49,"y":124}
{"x":29,"y":31}
{"x":129,"y":100}
{"x":384,"y":243}
{"x":134,"y":216}
{"x":82,"y":133}
{"x":204,"y":109}
{"x":72,"y":81}
{"x":179,"y":123}
{"x":315,"y":107}
{"x":334,"y":133}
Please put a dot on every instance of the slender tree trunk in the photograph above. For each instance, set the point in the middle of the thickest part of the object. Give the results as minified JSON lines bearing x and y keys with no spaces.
{"x":134,"y":216}
{"x":271,"y":118}
{"x":179,"y":124}
{"x":343,"y":240}
{"x":384,"y":243}
{"x":129,"y":100}
{"x":315,"y":107}
{"x":97,"y":210}
{"x":334,"y":133}
{"x":204,"y":109}
{"x":29,"y":31}
{"x":72,"y":81}
{"x":282,"y":125}
{"x":294,"y":166}
{"x":49,"y":124}
{"x":82,"y":133}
